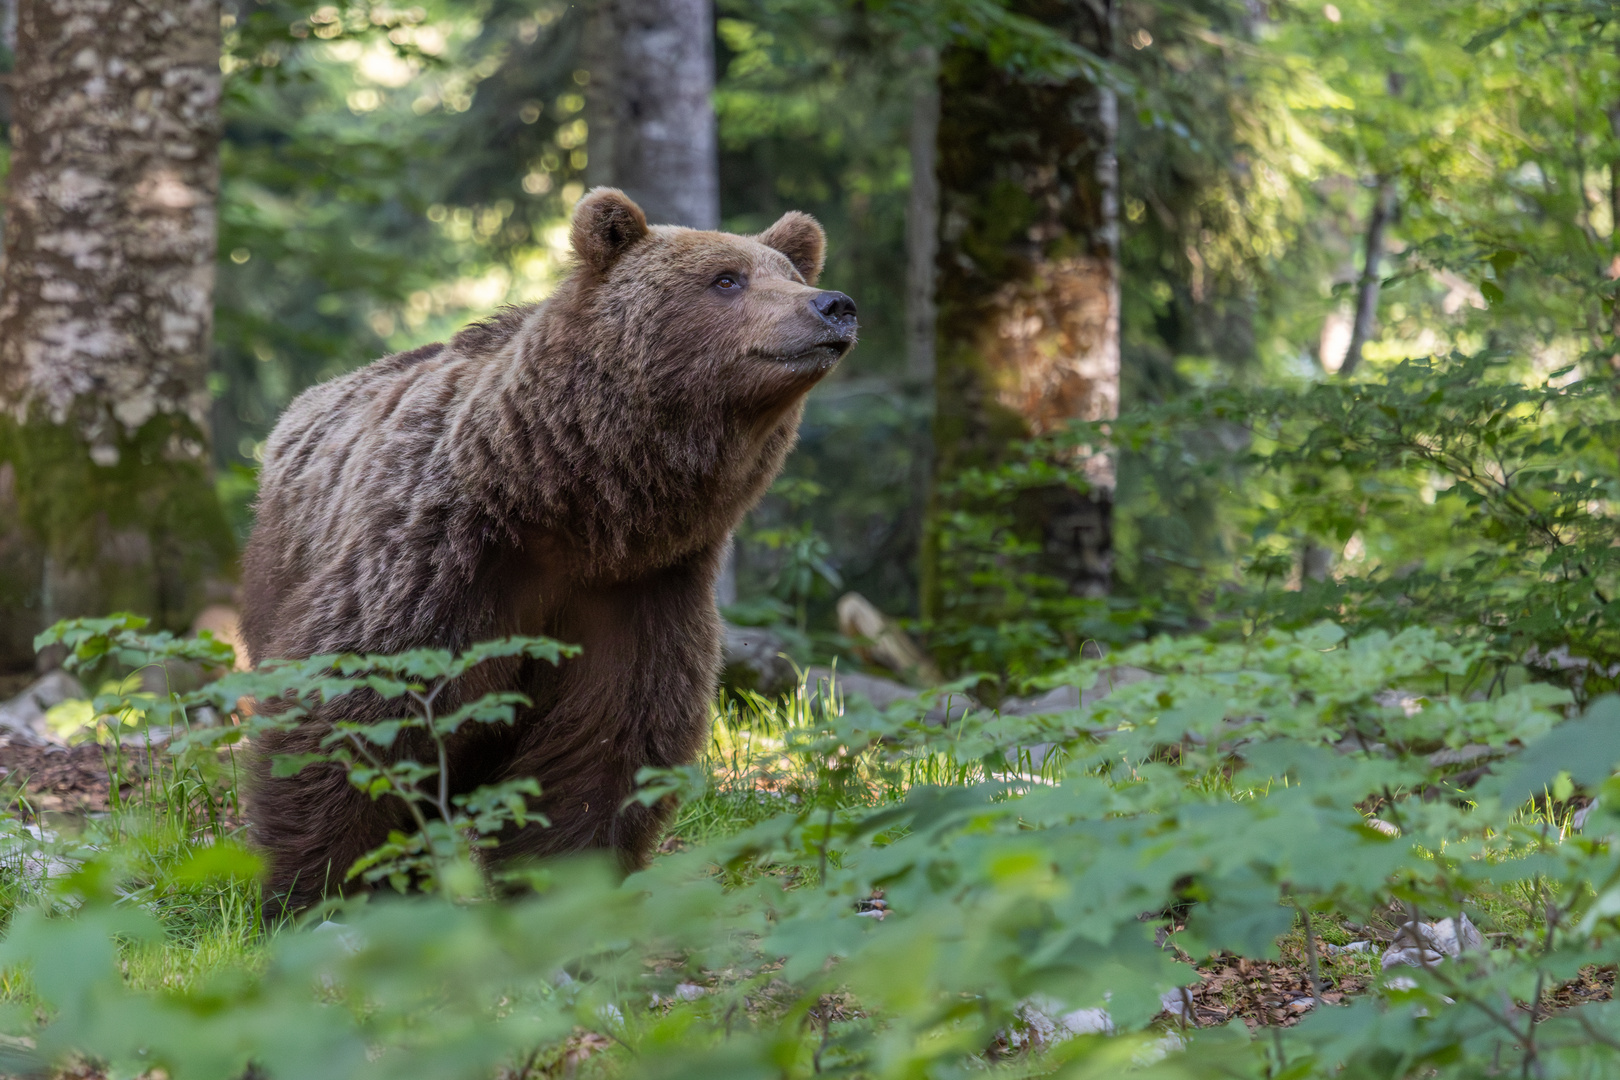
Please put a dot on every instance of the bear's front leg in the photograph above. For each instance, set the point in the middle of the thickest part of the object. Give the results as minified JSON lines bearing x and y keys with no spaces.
{"x":637,"y":695}
{"x":314,"y":825}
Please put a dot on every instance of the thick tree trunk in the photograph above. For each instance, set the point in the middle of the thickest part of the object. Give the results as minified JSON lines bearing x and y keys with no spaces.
{"x":106,"y":309}
{"x":1029,"y":285}
{"x":649,"y":112}
{"x":648,"y":107}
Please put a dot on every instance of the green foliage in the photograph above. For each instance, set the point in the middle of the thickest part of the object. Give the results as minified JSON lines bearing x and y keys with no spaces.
{"x":389,"y":175}
{"x":800,"y":552}
{"x":1461,"y":497}
{"x":385,"y":758}
{"x":1220,"y":796}
{"x":379,"y":761}
{"x":1398,"y":584}
{"x":998,"y":613}
{"x":1446,"y":494}
{"x":1494,"y":121}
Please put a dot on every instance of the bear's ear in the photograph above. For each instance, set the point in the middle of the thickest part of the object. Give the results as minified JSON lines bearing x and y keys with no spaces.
{"x":799,"y":237}
{"x":606,"y":224}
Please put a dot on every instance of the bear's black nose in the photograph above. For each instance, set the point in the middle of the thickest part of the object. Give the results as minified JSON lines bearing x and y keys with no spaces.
{"x":834,"y":307}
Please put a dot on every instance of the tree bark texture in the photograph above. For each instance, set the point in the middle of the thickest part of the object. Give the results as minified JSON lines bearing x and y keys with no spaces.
{"x":649,"y":115}
{"x":1614,"y":230}
{"x":1371,"y":283}
{"x":649,"y":109}
{"x":8,"y":46}
{"x":106,"y":302}
{"x":922,"y":221}
{"x":1028,"y":286}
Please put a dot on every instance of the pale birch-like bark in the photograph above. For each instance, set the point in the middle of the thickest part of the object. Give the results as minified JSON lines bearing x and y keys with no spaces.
{"x":106,"y":312}
{"x":649,"y":109}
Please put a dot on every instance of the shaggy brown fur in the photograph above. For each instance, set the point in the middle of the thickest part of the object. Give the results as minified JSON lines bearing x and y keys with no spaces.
{"x":570,"y":469}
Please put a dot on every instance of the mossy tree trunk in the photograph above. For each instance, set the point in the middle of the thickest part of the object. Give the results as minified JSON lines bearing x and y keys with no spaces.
{"x":1028,"y":285}
{"x":106,"y":300}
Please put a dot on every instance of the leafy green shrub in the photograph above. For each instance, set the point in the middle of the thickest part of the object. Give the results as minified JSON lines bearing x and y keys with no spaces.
{"x":1476,"y":502}
{"x":997,"y":611}
{"x":1447,"y":494}
{"x":1208,"y":806}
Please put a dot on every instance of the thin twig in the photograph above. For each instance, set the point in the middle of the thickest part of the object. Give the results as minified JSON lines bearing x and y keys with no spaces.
{"x":410,"y":803}
{"x":826,"y":838}
{"x":1541,"y":977}
{"x":1596,"y":1033}
{"x":820,"y":1012}
{"x":1310,"y":955}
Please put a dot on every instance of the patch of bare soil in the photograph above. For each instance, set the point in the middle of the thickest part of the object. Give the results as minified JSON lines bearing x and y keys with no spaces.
{"x":1593,"y":984}
{"x":1277,"y":993}
{"x":55,"y":779}
{"x":1263,"y":993}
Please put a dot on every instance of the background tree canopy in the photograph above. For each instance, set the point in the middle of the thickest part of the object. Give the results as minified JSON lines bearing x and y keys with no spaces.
{"x":1289,"y":195}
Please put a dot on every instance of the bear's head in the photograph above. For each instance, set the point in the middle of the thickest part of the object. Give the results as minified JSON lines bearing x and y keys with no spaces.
{"x":735,"y":321}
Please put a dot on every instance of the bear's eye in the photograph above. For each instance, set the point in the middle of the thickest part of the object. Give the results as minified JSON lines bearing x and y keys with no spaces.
{"x":729,"y":282}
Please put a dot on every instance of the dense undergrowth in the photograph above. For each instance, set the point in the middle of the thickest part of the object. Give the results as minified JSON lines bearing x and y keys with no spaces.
{"x":1463,"y":493}
{"x":852,"y":892}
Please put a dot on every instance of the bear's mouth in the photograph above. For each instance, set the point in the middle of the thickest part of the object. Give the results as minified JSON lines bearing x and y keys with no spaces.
{"x":819,"y":357}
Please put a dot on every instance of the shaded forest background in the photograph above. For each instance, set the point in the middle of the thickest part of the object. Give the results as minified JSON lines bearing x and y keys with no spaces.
{"x":1304,"y":191}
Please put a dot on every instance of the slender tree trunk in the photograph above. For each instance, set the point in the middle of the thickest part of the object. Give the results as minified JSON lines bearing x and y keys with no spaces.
{"x":1366,"y":317}
{"x":1029,"y":286}
{"x":1316,"y":561}
{"x":922,"y":254}
{"x":922,"y":221}
{"x":649,"y":108}
{"x":8,"y":48}
{"x":106,"y":308}
{"x":1614,"y":230}
{"x":1614,"y":183}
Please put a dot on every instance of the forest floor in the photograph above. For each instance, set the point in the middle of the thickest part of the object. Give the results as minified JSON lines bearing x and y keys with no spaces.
{"x":54,"y":779}
{"x":68,"y":788}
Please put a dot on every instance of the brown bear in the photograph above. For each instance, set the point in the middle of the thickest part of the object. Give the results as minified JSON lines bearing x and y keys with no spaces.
{"x":570,"y":469}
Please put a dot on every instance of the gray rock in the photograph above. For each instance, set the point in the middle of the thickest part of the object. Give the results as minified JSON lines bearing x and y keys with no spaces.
{"x":882,"y":693}
{"x":876,"y":689}
{"x":1426,"y":944}
{"x":754,"y":661}
{"x":1063,"y":698}
{"x":23,"y":717}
